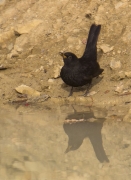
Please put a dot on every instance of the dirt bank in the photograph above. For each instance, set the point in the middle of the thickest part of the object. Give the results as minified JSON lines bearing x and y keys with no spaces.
{"x":33,"y":32}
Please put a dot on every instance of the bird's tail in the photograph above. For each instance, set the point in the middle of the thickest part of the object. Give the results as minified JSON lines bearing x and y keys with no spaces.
{"x":92,"y":39}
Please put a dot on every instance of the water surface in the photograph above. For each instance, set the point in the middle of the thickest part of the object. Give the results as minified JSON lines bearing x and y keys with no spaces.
{"x":65,"y":143}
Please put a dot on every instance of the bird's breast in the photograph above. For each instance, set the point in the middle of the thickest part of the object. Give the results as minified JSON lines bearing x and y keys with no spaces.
{"x":72,"y":77}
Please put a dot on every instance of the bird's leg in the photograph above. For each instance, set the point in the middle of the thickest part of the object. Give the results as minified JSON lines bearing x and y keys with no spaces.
{"x":87,"y":90}
{"x":88,"y":87}
{"x":71,"y":92}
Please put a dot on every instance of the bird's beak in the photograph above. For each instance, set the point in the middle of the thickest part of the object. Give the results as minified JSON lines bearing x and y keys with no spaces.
{"x":62,"y":54}
{"x":68,"y":149}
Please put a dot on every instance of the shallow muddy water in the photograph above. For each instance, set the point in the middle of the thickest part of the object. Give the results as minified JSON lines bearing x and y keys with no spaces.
{"x":65,"y":143}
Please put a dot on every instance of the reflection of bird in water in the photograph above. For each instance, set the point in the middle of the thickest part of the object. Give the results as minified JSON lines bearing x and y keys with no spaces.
{"x":80,"y":71}
{"x":79,"y":130}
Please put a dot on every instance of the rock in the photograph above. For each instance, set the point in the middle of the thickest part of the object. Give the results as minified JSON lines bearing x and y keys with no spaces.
{"x":70,"y":39}
{"x":23,"y":29}
{"x":3,"y":67}
{"x":121,"y":75}
{"x":23,"y":89}
{"x":115,"y":64}
{"x":57,"y":72}
{"x":119,"y":88}
{"x":118,"y":51}
{"x":88,"y":14}
{"x":6,"y":36}
{"x":13,"y":53}
{"x":78,"y":47}
{"x":127,"y":117}
{"x":3,"y":173}
{"x":118,"y":76}
{"x":32,"y":56}
{"x":91,"y":93}
{"x":99,"y":113}
{"x":100,"y":16}
{"x":34,"y":166}
{"x":18,"y":49}
{"x":50,"y":80}
{"x":118,"y":5}
{"x":128,"y":74}
{"x":121,"y":5}
{"x":19,"y":165}
{"x":76,"y":177}
{"x":10,"y":46}
{"x":39,"y":99}
{"x":76,"y":30}
{"x":2,"y":2}
{"x":41,"y":68}
{"x":105,"y":48}
{"x":22,"y":42}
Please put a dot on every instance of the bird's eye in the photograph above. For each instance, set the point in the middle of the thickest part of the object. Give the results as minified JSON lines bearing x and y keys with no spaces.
{"x":70,"y":57}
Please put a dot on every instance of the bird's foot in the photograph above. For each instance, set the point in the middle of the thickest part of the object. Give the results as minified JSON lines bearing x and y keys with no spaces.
{"x":85,"y":94}
{"x":71,"y":92}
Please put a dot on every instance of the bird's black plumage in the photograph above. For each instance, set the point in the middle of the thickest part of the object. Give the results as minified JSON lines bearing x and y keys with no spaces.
{"x":80,"y":71}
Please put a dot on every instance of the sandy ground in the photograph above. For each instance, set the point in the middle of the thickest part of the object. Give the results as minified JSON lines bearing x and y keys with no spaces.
{"x":33,"y":136}
{"x":33,"y":32}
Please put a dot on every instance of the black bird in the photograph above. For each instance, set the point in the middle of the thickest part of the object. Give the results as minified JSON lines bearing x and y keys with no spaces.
{"x":80,"y":71}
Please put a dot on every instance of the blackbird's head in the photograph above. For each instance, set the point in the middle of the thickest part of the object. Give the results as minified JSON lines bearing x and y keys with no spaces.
{"x":68,"y":57}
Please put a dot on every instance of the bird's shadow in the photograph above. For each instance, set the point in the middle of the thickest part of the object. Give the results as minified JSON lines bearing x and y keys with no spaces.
{"x":85,"y":125}
{"x":82,"y":88}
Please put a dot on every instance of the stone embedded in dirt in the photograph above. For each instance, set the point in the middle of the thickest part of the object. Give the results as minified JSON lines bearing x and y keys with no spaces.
{"x":22,"y":42}
{"x":99,"y":113}
{"x":32,"y":56}
{"x":6,"y":36}
{"x":114,"y":64}
{"x":88,"y":14}
{"x":121,"y":75}
{"x":40,"y":98}
{"x":91,"y":93}
{"x":34,"y":166}
{"x":40,"y":69}
{"x":51,"y":80}
{"x":106,"y":48}
{"x":118,"y":51}
{"x":10,"y":46}
{"x":13,"y":53}
{"x":26,"y":28}
{"x":76,"y":30}
{"x":119,"y":88}
{"x":118,"y":76}
{"x":70,"y":39}
{"x":128,"y":74}
{"x":2,"y":2}
{"x":127,"y":117}
{"x":18,"y":165}
{"x":18,"y":49}
{"x":100,"y":15}
{"x":23,"y":89}
{"x":78,"y":47}
{"x":121,"y":5}
{"x":2,"y":67}
{"x":57,"y":72}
